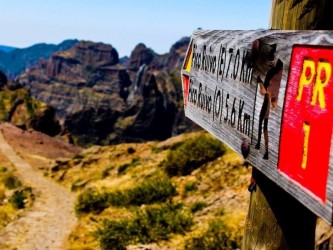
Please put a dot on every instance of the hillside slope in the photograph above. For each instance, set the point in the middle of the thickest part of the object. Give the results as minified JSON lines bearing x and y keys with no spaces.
{"x":5,"y":48}
{"x":125,"y":183}
{"x":214,"y":192}
{"x":14,"y":61}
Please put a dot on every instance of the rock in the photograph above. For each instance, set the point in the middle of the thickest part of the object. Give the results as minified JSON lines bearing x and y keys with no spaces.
{"x":79,"y":184}
{"x":139,"y":56}
{"x":91,"y":125}
{"x":177,"y":54}
{"x":44,"y":121}
{"x":154,"y":113}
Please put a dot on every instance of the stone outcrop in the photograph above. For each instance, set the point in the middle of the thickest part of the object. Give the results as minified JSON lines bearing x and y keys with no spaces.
{"x":177,"y":54}
{"x":139,"y":56}
{"x":18,"y":107}
{"x":45,"y":121}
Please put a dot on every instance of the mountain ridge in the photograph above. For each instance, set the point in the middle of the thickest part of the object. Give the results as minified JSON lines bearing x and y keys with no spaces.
{"x":14,"y":62}
{"x":101,"y":101}
{"x":6,"y":48}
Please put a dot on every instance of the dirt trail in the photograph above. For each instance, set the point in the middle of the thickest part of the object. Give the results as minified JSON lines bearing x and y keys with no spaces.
{"x":49,"y":221}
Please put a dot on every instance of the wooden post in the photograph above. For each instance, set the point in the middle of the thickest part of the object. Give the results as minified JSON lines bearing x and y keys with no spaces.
{"x":275,"y":219}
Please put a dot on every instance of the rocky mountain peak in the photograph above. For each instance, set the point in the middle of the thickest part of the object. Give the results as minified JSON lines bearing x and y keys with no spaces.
{"x":100,"y":100}
{"x":95,"y":54}
{"x":139,"y":56}
{"x":90,"y":54}
{"x":176,"y":55}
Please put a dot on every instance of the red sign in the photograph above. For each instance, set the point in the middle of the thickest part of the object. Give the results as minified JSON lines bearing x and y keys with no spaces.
{"x":307,"y":120}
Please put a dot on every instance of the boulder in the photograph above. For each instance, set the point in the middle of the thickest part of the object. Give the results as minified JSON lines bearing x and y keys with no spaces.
{"x":45,"y":121}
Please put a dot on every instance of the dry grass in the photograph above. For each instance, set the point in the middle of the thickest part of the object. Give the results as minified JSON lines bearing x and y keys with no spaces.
{"x":220,"y":185}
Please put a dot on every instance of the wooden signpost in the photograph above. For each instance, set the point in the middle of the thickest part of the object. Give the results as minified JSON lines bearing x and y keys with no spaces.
{"x":269,"y":96}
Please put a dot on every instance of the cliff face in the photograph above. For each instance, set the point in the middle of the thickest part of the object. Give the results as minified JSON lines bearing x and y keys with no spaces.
{"x":18,"y":107}
{"x":101,"y":101}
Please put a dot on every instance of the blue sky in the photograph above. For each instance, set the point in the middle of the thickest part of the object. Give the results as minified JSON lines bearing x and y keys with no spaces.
{"x":124,"y":23}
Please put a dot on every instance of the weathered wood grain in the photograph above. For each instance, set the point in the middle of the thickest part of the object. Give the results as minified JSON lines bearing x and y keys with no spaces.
{"x":223,"y":96}
{"x":301,"y":15}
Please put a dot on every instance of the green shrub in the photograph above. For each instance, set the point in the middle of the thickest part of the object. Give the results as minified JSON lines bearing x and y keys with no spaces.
{"x":216,"y":237}
{"x":20,"y":196}
{"x":92,"y":201}
{"x":156,"y":149}
{"x":106,"y":172}
{"x":191,"y":154}
{"x":198,"y":206}
{"x":123,"y":168}
{"x":3,"y":169}
{"x":151,"y":191}
{"x":148,"y":192}
{"x":17,"y":200}
{"x":78,"y":157}
{"x":190,"y":186}
{"x":135,"y":162}
{"x":145,"y":226}
{"x":11,"y":181}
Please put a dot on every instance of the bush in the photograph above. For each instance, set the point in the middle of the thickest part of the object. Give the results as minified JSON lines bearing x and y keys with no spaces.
{"x":156,"y":149}
{"x":198,"y":206}
{"x":191,"y":154}
{"x":190,"y":186}
{"x":106,"y":172}
{"x":3,"y":169}
{"x":150,"y":225}
{"x":78,"y":157}
{"x":92,"y":201}
{"x":218,"y":236}
{"x":20,"y":196}
{"x":11,"y":181}
{"x":151,"y":191}
{"x":135,"y":162}
{"x":17,"y":200}
{"x":148,"y":192}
